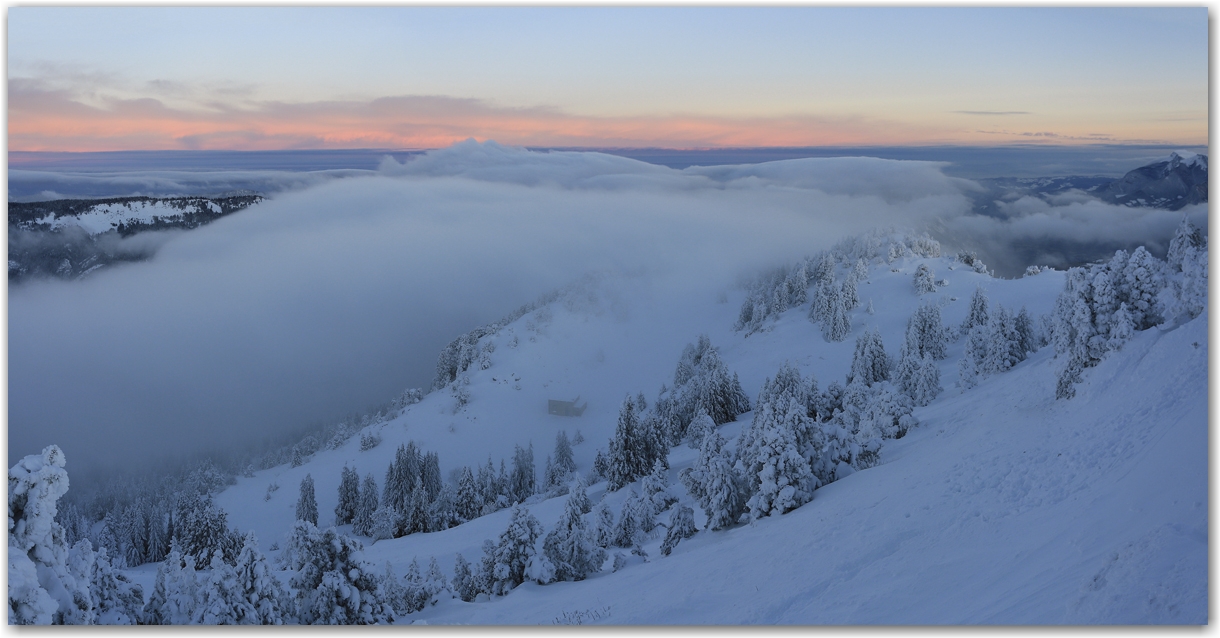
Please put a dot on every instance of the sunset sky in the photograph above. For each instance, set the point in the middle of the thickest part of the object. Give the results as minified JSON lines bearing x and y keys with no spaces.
{"x":141,"y":78}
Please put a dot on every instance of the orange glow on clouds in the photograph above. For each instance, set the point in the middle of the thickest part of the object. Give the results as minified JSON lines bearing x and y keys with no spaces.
{"x":49,"y":120}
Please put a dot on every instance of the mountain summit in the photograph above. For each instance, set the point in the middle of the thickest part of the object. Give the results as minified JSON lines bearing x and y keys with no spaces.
{"x":1173,"y":182}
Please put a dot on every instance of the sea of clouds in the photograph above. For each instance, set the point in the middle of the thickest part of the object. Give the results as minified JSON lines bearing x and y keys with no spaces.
{"x":338,"y":292}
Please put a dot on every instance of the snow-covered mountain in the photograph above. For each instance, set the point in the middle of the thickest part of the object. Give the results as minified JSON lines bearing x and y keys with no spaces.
{"x":70,"y":238}
{"x":1172,"y":183}
{"x":878,"y":433}
{"x":1003,"y":505}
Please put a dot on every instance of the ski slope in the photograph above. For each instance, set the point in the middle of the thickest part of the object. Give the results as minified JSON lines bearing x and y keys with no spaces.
{"x":1004,"y":506}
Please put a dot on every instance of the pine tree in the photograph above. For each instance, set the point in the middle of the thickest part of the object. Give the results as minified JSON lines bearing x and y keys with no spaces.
{"x":1122,"y":327}
{"x":430,"y":475}
{"x":524,"y":482}
{"x":563,"y":453}
{"x":925,"y":280}
{"x":570,"y":546}
{"x":435,"y":583}
{"x":625,"y":456}
{"x":514,"y":550}
{"x":716,"y":484}
{"x":307,"y":505}
{"x":414,"y":594}
{"x":869,"y":364}
{"x":1186,"y":238}
{"x":681,"y":526}
{"x":334,"y":585}
{"x":362,"y":520}
{"x":656,"y":489}
{"x":972,"y":368}
{"x":349,"y":496}
{"x":46,"y":584}
{"x":464,"y":584}
{"x":977,"y":315}
{"x":469,"y":502}
{"x":201,"y":528}
{"x":700,"y":427}
{"x":925,"y":333}
{"x":117,"y":600}
{"x":780,"y":477}
{"x":264,"y":597}
{"x":219,"y":600}
{"x":628,"y":531}
{"x":604,"y":528}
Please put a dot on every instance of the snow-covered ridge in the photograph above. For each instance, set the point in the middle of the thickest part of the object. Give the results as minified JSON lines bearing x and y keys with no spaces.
{"x":1004,"y":505}
{"x":125,"y":214}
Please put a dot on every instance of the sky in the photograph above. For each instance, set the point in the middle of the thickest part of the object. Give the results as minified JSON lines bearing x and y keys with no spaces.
{"x":242,"y":78}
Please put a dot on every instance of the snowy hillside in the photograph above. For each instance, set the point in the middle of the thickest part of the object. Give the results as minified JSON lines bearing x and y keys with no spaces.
{"x":1002,"y":506}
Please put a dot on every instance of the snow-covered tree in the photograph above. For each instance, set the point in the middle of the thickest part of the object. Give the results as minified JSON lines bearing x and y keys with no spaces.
{"x":628,"y":530}
{"x":603,"y":526}
{"x":333,"y":583}
{"x":514,"y":550}
{"x":362,"y":519}
{"x":716,"y":484}
{"x":681,"y":526}
{"x":700,"y":427}
{"x":657,"y":490}
{"x":523,"y":481}
{"x":780,"y":477}
{"x":925,"y":333}
{"x":219,"y":601}
{"x":563,"y":452}
{"x":977,"y":315}
{"x":1186,"y":237}
{"x":117,"y":600}
{"x":464,"y":582}
{"x":43,"y":588}
{"x":414,"y":596}
{"x":469,"y":502}
{"x":264,"y":600}
{"x":626,"y":456}
{"x":571,"y":547}
{"x":925,"y":280}
{"x":201,"y":528}
{"x":349,"y":496}
{"x":307,"y":505}
{"x":435,"y":583}
{"x":173,"y":599}
{"x":870,"y":364}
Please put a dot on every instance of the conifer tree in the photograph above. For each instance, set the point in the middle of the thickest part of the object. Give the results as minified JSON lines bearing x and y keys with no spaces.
{"x":571,"y":547}
{"x":117,"y":600}
{"x":515,"y":549}
{"x":524,"y":482}
{"x":469,"y":502}
{"x":626,"y":455}
{"x":925,"y":280}
{"x":869,"y":364}
{"x":264,"y":597}
{"x":780,"y":477}
{"x":307,"y":505}
{"x":362,"y":519}
{"x":349,"y":496}
{"x":977,"y":315}
{"x":681,"y":526}
{"x":464,"y":583}
{"x":333,"y":583}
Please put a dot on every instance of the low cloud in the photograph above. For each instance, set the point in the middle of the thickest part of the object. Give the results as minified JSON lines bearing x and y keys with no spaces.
{"x":334,"y":298}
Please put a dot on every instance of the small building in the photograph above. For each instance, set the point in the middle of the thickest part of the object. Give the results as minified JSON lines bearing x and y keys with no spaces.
{"x":566,"y":408}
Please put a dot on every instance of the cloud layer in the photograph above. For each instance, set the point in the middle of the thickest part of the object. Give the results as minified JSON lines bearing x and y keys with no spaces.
{"x":334,"y":297}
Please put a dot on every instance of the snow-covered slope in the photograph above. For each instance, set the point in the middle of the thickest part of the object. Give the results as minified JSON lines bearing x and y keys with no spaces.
{"x":1002,"y":506}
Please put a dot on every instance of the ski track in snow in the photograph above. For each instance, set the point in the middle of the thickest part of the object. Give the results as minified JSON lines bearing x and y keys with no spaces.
{"x":1003,"y":506}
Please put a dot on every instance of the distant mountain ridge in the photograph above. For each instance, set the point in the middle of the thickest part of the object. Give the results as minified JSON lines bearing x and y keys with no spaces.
{"x":1171,"y":183}
{"x":70,"y":238}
